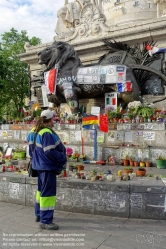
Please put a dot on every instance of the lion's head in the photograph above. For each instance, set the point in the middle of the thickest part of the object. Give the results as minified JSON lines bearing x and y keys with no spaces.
{"x":58,"y":53}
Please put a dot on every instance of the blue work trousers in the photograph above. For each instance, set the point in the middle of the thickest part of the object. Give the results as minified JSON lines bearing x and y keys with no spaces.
{"x":46,"y":196}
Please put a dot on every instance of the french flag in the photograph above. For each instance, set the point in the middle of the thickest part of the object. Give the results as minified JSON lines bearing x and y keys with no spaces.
{"x":50,"y":81}
{"x":154,"y":50}
{"x":124,"y":87}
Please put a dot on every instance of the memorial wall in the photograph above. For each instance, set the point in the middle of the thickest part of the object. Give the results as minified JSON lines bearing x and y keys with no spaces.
{"x":85,"y":29}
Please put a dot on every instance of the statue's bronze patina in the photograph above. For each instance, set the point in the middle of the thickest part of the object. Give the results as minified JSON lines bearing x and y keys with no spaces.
{"x":64,"y":55}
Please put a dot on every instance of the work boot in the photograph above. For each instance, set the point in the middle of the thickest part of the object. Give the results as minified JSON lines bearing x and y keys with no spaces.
{"x":37,"y":218}
{"x":51,"y":226}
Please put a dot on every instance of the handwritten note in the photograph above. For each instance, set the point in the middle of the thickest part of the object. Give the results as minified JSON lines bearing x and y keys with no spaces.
{"x":149,"y":135}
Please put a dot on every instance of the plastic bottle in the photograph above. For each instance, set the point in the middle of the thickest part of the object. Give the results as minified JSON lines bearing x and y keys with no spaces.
{"x":119,"y":173}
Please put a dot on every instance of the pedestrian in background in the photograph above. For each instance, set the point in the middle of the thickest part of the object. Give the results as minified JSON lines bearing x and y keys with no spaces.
{"x":49,"y":159}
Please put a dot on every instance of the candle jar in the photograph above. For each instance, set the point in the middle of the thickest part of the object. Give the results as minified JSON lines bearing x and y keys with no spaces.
{"x":64,"y":173}
{"x":110,"y":178}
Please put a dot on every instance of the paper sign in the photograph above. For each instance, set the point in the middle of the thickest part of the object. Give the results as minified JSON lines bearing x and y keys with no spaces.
{"x":5,"y":127}
{"x":100,"y":137}
{"x":44,"y":95}
{"x":111,"y":100}
{"x":111,"y":136}
{"x":128,"y":137}
{"x":149,"y":135}
{"x":9,"y":152}
{"x":78,"y":135}
{"x":95,"y":110}
{"x":4,"y":134}
{"x":10,"y":134}
{"x":16,"y":134}
{"x":24,"y":135}
{"x":72,"y":127}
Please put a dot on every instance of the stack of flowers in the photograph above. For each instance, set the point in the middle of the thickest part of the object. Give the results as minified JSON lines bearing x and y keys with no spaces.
{"x":160,"y":115}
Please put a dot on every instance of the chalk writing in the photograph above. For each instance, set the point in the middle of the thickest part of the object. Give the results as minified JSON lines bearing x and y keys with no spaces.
{"x":136,"y":201}
{"x":148,"y":126}
{"x":159,"y":126}
{"x":15,"y":179}
{"x":126,"y":126}
{"x":152,"y":238}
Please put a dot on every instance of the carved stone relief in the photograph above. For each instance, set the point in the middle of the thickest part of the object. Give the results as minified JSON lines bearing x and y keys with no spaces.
{"x":80,"y":18}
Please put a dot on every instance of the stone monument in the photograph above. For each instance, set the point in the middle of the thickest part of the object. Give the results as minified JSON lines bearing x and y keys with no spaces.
{"x":86,"y":23}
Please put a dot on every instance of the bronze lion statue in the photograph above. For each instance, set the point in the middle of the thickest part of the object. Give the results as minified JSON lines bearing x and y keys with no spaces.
{"x":68,"y":86}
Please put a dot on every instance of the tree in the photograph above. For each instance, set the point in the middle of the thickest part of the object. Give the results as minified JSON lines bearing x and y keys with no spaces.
{"x":14,"y":74}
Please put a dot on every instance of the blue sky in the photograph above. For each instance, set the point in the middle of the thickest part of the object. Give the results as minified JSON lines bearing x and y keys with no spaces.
{"x":37,"y":17}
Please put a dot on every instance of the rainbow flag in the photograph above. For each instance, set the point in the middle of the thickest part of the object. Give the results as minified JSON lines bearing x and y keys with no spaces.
{"x":90,"y":120}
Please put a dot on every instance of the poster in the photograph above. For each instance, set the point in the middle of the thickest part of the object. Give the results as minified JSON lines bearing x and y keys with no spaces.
{"x":10,"y":134}
{"x":100,"y":137}
{"x":17,"y":134}
{"x":4,"y":134}
{"x":111,"y":136}
{"x":44,"y":95}
{"x":104,"y":122}
{"x":128,"y":137}
{"x":111,"y":100}
{"x":24,"y":135}
{"x":78,"y":135}
{"x":110,"y":74}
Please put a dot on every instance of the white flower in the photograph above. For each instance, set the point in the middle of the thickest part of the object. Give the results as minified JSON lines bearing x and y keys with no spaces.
{"x":134,"y":104}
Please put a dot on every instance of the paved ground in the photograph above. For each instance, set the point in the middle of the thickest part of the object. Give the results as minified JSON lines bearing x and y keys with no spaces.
{"x":19,"y":230}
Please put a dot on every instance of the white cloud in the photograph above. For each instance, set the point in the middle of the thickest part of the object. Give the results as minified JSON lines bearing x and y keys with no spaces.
{"x":37,"y":17}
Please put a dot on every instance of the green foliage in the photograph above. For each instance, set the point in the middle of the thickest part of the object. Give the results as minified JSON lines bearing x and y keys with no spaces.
{"x":114,"y":113}
{"x":146,"y":111}
{"x":37,"y":113}
{"x":94,"y":171}
{"x":126,"y":156}
{"x":14,"y":74}
{"x":160,"y":157}
{"x":141,"y":169}
{"x":128,"y":168}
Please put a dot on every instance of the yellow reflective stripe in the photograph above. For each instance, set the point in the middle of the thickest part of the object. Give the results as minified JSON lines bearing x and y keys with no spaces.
{"x":38,"y":196}
{"x":32,"y":130}
{"x":47,"y":203}
{"x":41,"y":132}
